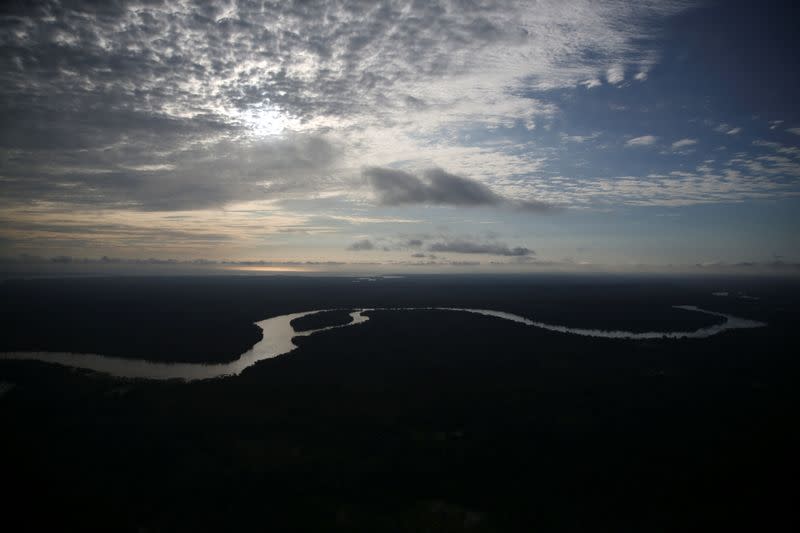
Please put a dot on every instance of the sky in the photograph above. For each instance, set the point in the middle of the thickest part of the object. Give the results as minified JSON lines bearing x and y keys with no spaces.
{"x":451,"y":136}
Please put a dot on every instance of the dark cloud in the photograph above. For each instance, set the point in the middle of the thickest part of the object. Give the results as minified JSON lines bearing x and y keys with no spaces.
{"x":362,"y":245}
{"x":444,"y":188}
{"x":468,"y":247}
{"x":396,"y":187}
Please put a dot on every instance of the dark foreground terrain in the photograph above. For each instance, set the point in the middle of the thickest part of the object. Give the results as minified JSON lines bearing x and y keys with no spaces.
{"x":413,"y":421}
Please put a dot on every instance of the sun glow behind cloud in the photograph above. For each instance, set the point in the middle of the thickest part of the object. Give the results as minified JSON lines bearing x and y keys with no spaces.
{"x":265,"y":121}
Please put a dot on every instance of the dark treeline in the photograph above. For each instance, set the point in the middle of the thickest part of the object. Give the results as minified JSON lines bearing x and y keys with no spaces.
{"x":422,"y":421}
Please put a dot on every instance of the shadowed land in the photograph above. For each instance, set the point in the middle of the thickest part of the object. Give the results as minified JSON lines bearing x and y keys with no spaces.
{"x":421,"y":420}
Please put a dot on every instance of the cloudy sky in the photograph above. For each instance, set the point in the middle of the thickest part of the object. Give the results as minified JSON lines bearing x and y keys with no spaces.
{"x":440,"y":136}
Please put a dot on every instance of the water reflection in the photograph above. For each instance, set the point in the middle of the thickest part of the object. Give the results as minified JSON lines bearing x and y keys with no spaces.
{"x":277,"y":340}
{"x":278,"y":334}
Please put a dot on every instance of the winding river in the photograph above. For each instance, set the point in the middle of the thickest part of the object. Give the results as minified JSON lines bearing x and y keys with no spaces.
{"x":278,"y":334}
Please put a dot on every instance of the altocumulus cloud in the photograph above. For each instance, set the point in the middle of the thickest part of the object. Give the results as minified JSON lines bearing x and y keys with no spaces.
{"x":152,"y":105}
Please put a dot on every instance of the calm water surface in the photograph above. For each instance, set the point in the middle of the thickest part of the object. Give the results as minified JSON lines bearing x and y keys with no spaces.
{"x":278,"y":334}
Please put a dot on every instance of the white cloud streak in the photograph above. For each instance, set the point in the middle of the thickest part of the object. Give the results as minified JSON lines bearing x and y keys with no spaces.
{"x":644,"y":140}
{"x":683,"y":143}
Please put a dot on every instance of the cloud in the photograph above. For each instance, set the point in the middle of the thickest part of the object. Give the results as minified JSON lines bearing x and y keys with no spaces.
{"x":362,"y":245}
{"x":468,"y":247}
{"x":616,"y":74}
{"x":51,"y":229}
{"x":644,"y":140}
{"x":132,"y":109}
{"x":533,"y":206}
{"x":396,"y":187}
{"x":728,"y":129}
{"x":148,"y":85}
{"x":735,"y":180}
{"x":793,"y":151}
{"x":321,"y":60}
{"x":683,"y":143}
{"x":796,"y":131}
{"x":193,"y":176}
{"x":358,"y":219}
{"x":580,"y":138}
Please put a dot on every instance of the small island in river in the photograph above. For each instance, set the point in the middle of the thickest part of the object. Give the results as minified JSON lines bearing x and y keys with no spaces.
{"x":323,"y":319}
